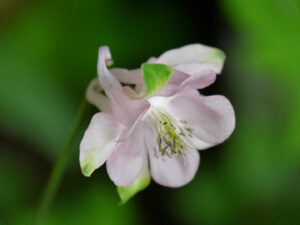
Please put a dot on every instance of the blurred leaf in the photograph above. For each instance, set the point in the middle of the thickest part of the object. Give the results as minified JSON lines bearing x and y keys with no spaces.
{"x":95,"y":204}
{"x":49,"y":53}
{"x":270,"y":35}
{"x":255,"y":180}
{"x":17,"y":182}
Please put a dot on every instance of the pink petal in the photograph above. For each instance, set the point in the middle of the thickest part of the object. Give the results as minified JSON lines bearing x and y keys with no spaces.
{"x":96,"y":98}
{"x":107,"y":80}
{"x":98,"y":142}
{"x":180,"y":81}
{"x":132,"y":93}
{"x":211,"y":118}
{"x":124,"y":109}
{"x":128,"y":76}
{"x":126,"y":162}
{"x":173,"y":84}
{"x":199,"y":81}
{"x":178,"y":77}
{"x":168,"y":90}
{"x":174,"y":171}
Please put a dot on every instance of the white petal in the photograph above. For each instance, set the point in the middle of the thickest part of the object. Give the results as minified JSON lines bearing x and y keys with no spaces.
{"x":128,"y":76}
{"x":107,"y":80}
{"x":94,"y":97}
{"x":211,"y":118}
{"x":124,"y":109}
{"x":132,"y":93}
{"x":126,"y":161}
{"x":152,"y":60}
{"x":98,"y":142}
{"x":174,"y":171}
{"x":199,"y":80}
{"x":198,"y":56}
{"x":139,"y":184}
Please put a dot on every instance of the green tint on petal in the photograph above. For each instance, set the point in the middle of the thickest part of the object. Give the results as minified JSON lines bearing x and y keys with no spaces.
{"x":155,"y":76}
{"x":126,"y":193}
{"x":218,"y":55}
{"x":87,"y":170}
{"x":217,"y":58}
{"x":88,"y":165}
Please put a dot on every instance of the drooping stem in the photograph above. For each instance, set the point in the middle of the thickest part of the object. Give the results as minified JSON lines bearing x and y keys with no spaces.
{"x":59,"y":167}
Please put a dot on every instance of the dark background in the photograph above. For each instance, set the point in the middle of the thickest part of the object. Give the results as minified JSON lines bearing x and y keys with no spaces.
{"x":48,"y":55}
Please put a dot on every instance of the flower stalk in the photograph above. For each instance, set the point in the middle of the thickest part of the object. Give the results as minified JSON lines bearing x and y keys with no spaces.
{"x":59,"y":167}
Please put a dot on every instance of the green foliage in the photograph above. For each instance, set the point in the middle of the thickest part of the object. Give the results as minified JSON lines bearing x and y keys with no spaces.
{"x":49,"y":54}
{"x":254,"y":181}
{"x":269,"y":35}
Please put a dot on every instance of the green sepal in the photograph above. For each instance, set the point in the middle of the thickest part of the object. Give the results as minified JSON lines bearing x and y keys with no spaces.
{"x":155,"y":76}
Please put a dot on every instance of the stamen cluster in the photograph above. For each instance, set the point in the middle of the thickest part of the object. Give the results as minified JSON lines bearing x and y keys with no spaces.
{"x":170,"y":134}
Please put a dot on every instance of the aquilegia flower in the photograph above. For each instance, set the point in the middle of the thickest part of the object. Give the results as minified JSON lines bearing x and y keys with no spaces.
{"x":156,"y":125}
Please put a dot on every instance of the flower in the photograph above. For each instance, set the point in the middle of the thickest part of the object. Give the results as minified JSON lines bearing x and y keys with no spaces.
{"x":156,"y":127}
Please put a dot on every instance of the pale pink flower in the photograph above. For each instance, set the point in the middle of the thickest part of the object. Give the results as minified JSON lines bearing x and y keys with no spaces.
{"x":139,"y":133}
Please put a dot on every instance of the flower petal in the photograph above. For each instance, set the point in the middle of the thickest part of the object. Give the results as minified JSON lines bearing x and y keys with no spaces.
{"x":128,"y":76}
{"x":98,"y":142}
{"x":174,"y":171}
{"x":151,"y":60}
{"x":177,"y":82}
{"x":126,"y":161}
{"x":94,"y":97}
{"x":169,"y":90}
{"x":124,"y":109}
{"x":211,"y":118}
{"x":132,"y":93}
{"x":143,"y":180}
{"x":199,"y":81}
{"x":173,"y":84}
{"x":107,"y":80}
{"x":178,"y":77}
{"x":196,"y":68}
{"x":207,"y":58}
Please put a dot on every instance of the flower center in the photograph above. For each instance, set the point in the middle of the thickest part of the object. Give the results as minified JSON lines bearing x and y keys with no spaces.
{"x":171,"y":134}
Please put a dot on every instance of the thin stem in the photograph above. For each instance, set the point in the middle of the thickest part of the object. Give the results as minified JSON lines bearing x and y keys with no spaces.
{"x":59,"y":167}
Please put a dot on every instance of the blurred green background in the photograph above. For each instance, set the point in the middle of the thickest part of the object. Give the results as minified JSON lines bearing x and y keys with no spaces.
{"x":48,"y":54}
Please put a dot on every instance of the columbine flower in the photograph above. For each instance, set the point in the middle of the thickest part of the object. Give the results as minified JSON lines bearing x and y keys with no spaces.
{"x":156,"y":127}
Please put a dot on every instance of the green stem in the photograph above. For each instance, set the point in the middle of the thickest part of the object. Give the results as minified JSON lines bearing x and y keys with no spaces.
{"x":59,"y":167}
